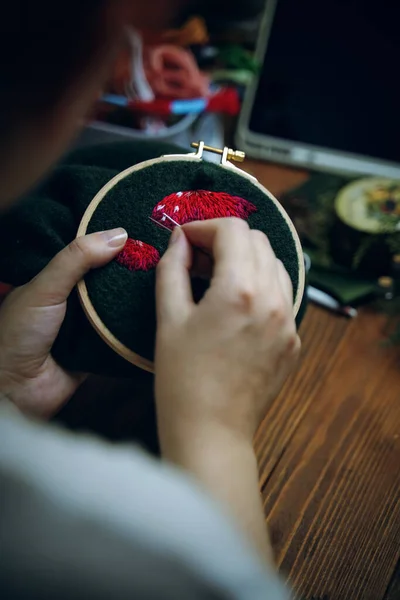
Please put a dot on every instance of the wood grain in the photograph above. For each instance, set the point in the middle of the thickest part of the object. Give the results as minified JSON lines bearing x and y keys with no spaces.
{"x":329,"y":454}
{"x":332,"y":497}
{"x":276,"y":178}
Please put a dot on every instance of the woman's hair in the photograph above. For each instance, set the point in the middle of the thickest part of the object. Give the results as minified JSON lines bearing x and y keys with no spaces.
{"x":44,"y":44}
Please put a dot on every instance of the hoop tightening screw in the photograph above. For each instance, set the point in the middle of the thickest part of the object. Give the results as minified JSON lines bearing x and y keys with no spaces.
{"x":235,"y":155}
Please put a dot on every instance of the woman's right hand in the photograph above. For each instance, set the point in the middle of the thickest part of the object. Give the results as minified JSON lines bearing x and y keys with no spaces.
{"x":221,"y":362}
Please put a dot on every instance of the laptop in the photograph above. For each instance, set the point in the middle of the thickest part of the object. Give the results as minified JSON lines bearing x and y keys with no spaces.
{"x":328,"y":93}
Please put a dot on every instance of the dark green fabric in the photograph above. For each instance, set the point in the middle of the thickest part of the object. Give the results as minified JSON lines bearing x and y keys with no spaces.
{"x":42,"y":224}
{"x":346,"y":286}
{"x":125,"y":300}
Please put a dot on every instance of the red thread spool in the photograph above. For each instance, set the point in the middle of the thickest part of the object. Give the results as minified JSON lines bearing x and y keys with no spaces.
{"x":200,"y":205}
{"x":138,"y":256}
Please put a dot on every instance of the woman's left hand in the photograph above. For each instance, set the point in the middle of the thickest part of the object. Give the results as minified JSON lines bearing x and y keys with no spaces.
{"x":31,"y":317}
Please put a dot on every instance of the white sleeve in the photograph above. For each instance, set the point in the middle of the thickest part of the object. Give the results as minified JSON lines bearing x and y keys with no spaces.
{"x":81,"y":518}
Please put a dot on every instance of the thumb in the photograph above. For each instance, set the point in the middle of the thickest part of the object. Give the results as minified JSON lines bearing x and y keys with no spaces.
{"x":54,"y":284}
{"x":173,"y":288}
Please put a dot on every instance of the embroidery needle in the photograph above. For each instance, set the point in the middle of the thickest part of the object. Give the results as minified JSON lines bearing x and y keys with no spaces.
{"x":176,"y":225}
{"x":171,"y":219}
{"x":160,"y":224}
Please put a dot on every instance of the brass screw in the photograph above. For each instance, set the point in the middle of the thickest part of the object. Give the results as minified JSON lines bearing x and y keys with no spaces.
{"x":235,"y":155}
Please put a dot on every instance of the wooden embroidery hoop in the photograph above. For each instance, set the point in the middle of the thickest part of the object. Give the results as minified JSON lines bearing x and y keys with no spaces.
{"x":227,"y":154}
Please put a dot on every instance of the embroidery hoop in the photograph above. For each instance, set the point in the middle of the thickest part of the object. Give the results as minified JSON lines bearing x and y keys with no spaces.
{"x":227,"y":154}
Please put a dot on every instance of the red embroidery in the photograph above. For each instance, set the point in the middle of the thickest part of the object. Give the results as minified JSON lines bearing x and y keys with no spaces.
{"x":138,"y":256}
{"x":200,"y":205}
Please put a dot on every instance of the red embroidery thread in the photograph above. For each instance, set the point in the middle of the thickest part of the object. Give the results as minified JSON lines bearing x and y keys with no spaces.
{"x":138,"y":256}
{"x":200,"y":205}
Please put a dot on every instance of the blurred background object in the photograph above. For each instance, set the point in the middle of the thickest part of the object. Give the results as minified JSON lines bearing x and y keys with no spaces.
{"x":325,"y":96}
{"x":323,"y":99}
{"x":182,"y":83}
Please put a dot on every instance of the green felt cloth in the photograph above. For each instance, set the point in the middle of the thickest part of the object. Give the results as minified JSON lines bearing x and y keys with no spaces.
{"x":341,"y":283}
{"x":124,"y":299}
{"x":42,"y":224}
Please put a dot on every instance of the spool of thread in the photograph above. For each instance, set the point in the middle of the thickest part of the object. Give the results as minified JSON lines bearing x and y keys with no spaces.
{"x":224,"y":101}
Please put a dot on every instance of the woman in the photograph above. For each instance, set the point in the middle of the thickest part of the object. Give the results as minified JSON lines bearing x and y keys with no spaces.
{"x":81,"y":518}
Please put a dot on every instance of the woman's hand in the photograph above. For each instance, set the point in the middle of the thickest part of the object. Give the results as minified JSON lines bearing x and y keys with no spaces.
{"x":30,"y":320}
{"x":220,"y":363}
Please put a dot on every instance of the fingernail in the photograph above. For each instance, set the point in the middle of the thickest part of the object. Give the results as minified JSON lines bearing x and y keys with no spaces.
{"x":115,"y":237}
{"x":174,"y":235}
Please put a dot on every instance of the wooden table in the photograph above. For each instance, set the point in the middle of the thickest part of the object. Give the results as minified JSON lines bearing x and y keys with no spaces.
{"x":329,"y":452}
{"x":329,"y":449}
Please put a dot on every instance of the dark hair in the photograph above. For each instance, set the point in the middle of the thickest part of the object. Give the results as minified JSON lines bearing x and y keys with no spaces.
{"x":43,"y":44}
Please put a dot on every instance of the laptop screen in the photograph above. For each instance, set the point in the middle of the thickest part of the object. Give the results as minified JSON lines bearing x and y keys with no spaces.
{"x":331,"y":76}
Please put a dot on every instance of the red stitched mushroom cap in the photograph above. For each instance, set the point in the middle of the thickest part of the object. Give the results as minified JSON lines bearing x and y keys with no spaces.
{"x":138,"y":256}
{"x":200,"y":205}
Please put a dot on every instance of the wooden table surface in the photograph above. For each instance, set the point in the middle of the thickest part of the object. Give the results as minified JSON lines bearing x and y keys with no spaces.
{"x":329,"y":452}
